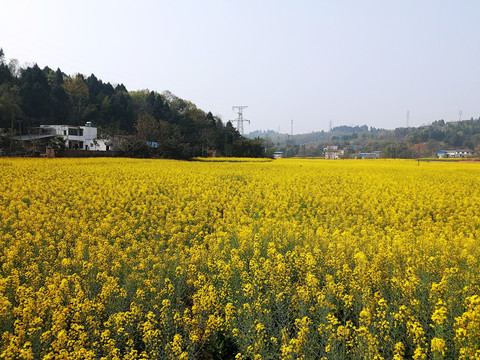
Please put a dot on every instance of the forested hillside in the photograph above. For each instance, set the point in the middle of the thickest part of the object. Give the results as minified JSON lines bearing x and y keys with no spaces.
{"x":31,"y":96}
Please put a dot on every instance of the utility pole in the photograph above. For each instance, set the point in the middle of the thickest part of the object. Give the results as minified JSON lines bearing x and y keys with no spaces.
{"x":240,"y":118}
{"x":408,"y":119}
{"x":291,"y":128}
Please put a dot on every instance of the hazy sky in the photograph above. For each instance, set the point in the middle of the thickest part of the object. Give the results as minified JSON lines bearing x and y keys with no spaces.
{"x":311,"y":61}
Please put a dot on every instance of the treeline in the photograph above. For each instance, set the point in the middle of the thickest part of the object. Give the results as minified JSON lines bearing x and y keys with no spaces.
{"x":134,"y":120}
{"x":406,"y":143}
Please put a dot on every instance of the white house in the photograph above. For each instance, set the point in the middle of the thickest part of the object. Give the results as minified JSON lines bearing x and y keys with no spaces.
{"x":460,"y":153}
{"x":76,"y":137}
{"x":332,"y":152}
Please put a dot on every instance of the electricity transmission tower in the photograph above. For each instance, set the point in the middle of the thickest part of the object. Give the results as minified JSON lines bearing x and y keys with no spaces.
{"x":240,"y":118}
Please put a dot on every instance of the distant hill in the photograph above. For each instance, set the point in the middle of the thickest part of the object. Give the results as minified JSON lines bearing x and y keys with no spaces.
{"x":411,"y":142}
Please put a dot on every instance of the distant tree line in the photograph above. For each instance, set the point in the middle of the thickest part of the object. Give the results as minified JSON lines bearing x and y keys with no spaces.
{"x":406,"y":143}
{"x":31,"y":96}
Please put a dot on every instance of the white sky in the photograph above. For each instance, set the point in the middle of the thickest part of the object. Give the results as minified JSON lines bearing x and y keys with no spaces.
{"x":351,"y":62}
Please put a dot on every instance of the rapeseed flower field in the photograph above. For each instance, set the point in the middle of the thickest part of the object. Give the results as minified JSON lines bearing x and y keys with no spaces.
{"x":285,"y":259}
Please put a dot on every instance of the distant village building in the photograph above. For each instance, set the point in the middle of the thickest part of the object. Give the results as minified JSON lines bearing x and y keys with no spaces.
{"x":460,"y":153}
{"x":373,"y":155}
{"x":152,"y":144}
{"x":332,"y":152}
{"x":75,"y":137}
{"x":278,"y":154}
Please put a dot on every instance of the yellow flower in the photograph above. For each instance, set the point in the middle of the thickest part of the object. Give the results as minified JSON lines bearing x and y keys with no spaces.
{"x":438,"y":345}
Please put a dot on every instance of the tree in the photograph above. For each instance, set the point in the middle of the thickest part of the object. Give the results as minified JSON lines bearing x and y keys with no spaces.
{"x":207,"y":140}
{"x":14,"y":67}
{"x":150,"y":102}
{"x":210,"y":119}
{"x":57,"y":144}
{"x":146,"y":127}
{"x":36,"y":102}
{"x":173,"y":145}
{"x":230,"y":135}
{"x":94,"y":86}
{"x":131,"y":145}
{"x":5,"y":74}
{"x":121,"y":88}
{"x":78,"y":94}
{"x":60,"y":101}
{"x":10,"y":105}
{"x":160,"y":110}
{"x":120,"y":113}
{"x":397,"y":150}
{"x":249,"y":148}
